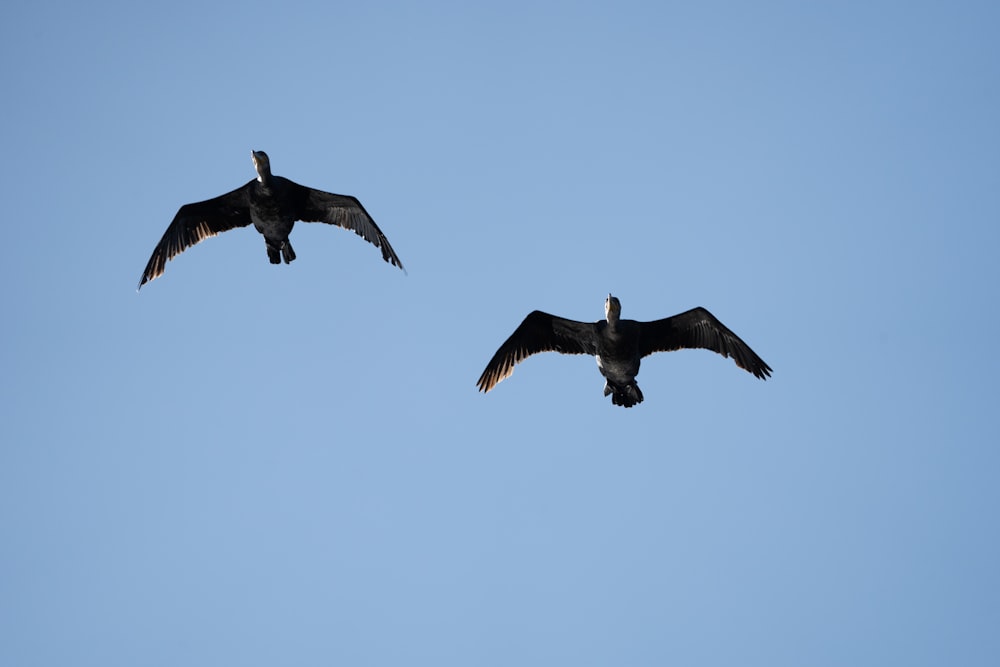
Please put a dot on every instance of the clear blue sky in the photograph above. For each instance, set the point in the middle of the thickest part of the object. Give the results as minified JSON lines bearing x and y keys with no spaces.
{"x":257,"y":465}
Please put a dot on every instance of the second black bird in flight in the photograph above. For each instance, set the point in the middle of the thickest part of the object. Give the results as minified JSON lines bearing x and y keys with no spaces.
{"x":619,"y":345}
{"x":272,"y":204}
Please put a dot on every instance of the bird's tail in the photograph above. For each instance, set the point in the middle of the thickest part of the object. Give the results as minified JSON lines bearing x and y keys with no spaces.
{"x":626,"y":396}
{"x":278,"y":249}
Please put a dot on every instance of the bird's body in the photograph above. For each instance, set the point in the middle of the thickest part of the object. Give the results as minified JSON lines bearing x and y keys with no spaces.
{"x":272,"y":204}
{"x":273,"y":210}
{"x":618,"y":359}
{"x":619,"y":346}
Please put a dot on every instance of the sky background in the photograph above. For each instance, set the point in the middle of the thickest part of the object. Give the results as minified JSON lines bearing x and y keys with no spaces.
{"x":249,"y":464}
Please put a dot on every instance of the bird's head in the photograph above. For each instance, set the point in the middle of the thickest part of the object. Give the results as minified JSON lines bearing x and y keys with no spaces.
{"x":262,"y":164}
{"x":612,"y":308}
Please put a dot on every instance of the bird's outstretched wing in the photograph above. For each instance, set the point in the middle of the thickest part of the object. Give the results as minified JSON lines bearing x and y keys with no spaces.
{"x":539,"y":332}
{"x":698,"y":328}
{"x":195,"y":223}
{"x":344,"y":211}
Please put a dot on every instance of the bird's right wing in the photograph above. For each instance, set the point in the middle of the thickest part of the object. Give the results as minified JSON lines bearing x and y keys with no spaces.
{"x":196,"y":222}
{"x":343,"y":211}
{"x":539,"y":332}
{"x":698,"y":328}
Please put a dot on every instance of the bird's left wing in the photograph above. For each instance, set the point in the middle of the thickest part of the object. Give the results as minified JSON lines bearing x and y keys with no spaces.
{"x":193,"y":224}
{"x":698,"y":328}
{"x":344,"y":211}
{"x":539,"y":332}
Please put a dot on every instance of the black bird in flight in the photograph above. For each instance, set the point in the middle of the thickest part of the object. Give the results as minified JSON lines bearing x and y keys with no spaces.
{"x":619,"y":345}
{"x":272,"y":204}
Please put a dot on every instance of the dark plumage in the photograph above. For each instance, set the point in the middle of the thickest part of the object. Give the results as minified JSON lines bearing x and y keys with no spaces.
{"x":272,"y":204}
{"x":619,"y":345}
